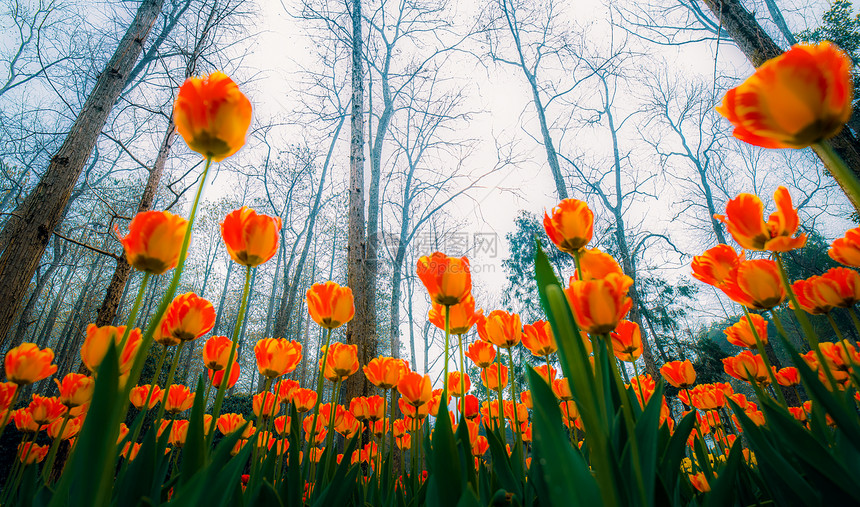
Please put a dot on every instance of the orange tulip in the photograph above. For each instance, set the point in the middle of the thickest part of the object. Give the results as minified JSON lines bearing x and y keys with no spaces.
{"x":7,"y":392}
{"x":419,"y":413}
{"x":816,"y":295}
{"x":212,"y":115}
{"x":330,"y":305}
{"x":31,"y":452}
{"x":491,"y":377}
{"x":504,"y":329}
{"x":216,"y":352}
{"x":561,"y":389}
{"x":547,"y":372}
{"x":282,"y":425}
{"x":679,"y":373}
{"x":304,"y":399}
{"x":741,"y":334}
{"x":359,"y":408}
{"x":627,"y":341}
{"x":27,"y":363}
{"x":96,"y":344}
{"x":178,"y":433}
{"x":463,"y":316}
{"x":717,"y":266}
{"x":217,"y":377}
{"x":757,"y":286}
{"x":348,"y":425}
{"x":746,"y":365}
{"x":794,"y":100}
{"x":138,"y":395}
{"x":847,"y":287}
{"x":385,"y":372}
{"x":179,"y":399}
{"x":526,"y":398}
{"x":263,"y":404}
{"x":45,"y":410}
{"x":154,"y":241}
{"x":472,"y":406}
{"x":277,"y":356}
{"x":251,"y":239}
{"x":743,"y":219}
{"x":571,"y":225}
{"x":415,"y":388}
{"x":73,"y":427}
{"x":788,"y":376}
{"x":594,"y":264}
{"x":454,"y":383}
{"x":846,"y":250}
{"x":230,"y":423}
{"x":700,"y":482}
{"x":599,"y":305}
{"x":341,"y":361}
{"x":447,"y":279}
{"x":75,"y":389}
{"x":187,"y":318}
{"x":643,"y":386}
{"x":481,"y":353}
{"x":375,"y":408}
{"x":538,"y":338}
{"x":569,"y":410}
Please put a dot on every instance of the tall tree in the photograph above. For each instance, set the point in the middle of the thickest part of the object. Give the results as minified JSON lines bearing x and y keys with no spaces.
{"x":24,"y":238}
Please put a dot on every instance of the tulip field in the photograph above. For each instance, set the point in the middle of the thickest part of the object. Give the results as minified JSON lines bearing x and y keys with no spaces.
{"x":586,"y":427}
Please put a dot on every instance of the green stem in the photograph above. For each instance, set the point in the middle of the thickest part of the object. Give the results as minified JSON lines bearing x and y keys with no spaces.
{"x":329,"y":441}
{"x":139,"y":425}
{"x":132,"y":317}
{"x":462,"y":380}
{"x":52,"y":454}
{"x":391,"y":434}
{"x":222,"y":388}
{"x":854,"y":319}
{"x":169,"y":382}
{"x":155,"y":320}
{"x":10,"y":409}
{"x":514,"y":396}
{"x":18,"y":469}
{"x":501,"y":426}
{"x":840,"y":171}
{"x":262,"y":418}
{"x":320,"y":389}
{"x":447,"y":338}
{"x":760,"y":346}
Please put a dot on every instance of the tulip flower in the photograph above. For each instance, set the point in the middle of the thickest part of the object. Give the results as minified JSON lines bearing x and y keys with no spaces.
{"x":472,"y":406}
{"x":348,"y":425}
{"x":187,"y":318}
{"x":846,"y":250}
{"x":216,"y":352}
{"x":341,"y":361}
{"x":595,"y":264}
{"x":75,"y":389}
{"x":277,"y":356}
{"x":96,"y":344}
{"x":263,"y":404}
{"x":71,"y":430}
{"x":212,"y":115}
{"x":757,"y":286}
{"x":504,"y":329}
{"x":385,"y":372}
{"x":375,"y":408}
{"x":463,"y":315}
{"x":286,"y":390}
{"x":138,"y":395}
{"x":816,"y":295}
{"x":700,"y":482}
{"x":330,"y":305}
{"x":561,"y":389}
{"x":179,"y":399}
{"x":27,"y":364}
{"x":744,"y":222}
{"x":794,"y":100}
{"x":30,"y":452}
{"x":547,"y":372}
{"x":526,"y":398}
{"x":717,"y":266}
{"x":230,"y":423}
{"x":788,"y":376}
{"x":24,"y":422}
{"x":847,"y":287}
{"x":741,"y":334}
{"x":481,"y":353}
{"x":415,"y":389}
{"x":538,"y":338}
{"x":217,"y":377}
{"x":679,"y":373}
{"x":251,"y":239}
{"x":447,"y":279}
{"x":44,"y":410}
{"x":304,"y":399}
{"x":454,"y":383}
{"x":571,"y":225}
{"x":282,"y":425}
{"x":7,"y":394}
{"x":746,"y":365}
{"x":643,"y":386}
{"x":569,"y":410}
{"x":627,"y":341}
{"x":490,"y":376}
{"x":153,"y":241}
{"x":482,"y":445}
{"x":599,"y":305}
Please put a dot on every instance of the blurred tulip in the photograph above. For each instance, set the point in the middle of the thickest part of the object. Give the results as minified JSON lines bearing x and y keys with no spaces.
{"x":547,"y":372}
{"x":741,"y":335}
{"x":251,"y":239}
{"x":138,"y":395}
{"x":816,"y":295}
{"x":561,"y":389}
{"x":454,"y":383}
{"x":595,"y":264}
{"x":230,"y":423}
{"x":217,"y":377}
{"x":96,"y":345}
{"x":794,"y":100}
{"x":7,"y":394}
{"x":30,"y":452}
{"x":746,"y":365}
{"x":212,"y":115}
{"x":700,"y":482}
{"x":27,"y":364}
{"x":788,"y":376}
{"x":44,"y":410}
{"x":846,"y":250}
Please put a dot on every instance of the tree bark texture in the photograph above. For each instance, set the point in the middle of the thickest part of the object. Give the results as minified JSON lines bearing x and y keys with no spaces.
{"x":26,"y":235}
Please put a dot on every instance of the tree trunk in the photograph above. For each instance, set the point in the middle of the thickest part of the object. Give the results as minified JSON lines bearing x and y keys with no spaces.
{"x":758,"y":47}
{"x":358,"y":329}
{"x":25,"y":237}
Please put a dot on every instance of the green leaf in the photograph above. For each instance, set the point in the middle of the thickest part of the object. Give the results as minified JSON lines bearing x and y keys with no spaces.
{"x":447,"y":486}
{"x":723,"y":487}
{"x":566,"y":476}
{"x":194,"y":451}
